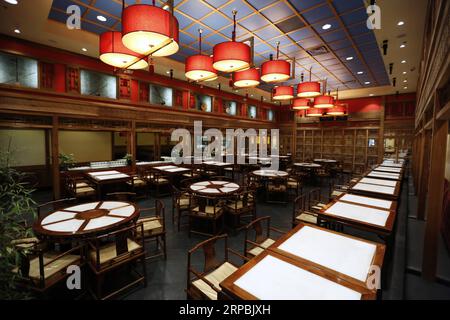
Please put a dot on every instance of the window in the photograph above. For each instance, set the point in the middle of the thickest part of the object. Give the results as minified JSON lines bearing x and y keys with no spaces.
{"x":203,"y":103}
{"x":98,"y":84}
{"x":230,"y":107}
{"x":162,"y":96}
{"x":17,"y":70}
{"x":270,"y":115}
{"x":252,"y":112}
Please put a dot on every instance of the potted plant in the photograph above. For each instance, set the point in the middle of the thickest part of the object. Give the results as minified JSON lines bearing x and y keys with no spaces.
{"x":129,"y":158}
{"x":66,"y":161}
{"x":16,"y":206}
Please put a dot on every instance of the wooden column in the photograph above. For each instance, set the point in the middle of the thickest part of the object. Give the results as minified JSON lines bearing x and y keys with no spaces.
{"x":435,"y":194}
{"x":381,"y":131}
{"x":55,"y":159}
{"x":421,"y":190}
{"x":131,"y":145}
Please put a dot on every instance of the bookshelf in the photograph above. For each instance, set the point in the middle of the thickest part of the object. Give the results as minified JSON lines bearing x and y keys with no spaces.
{"x":355,"y":148}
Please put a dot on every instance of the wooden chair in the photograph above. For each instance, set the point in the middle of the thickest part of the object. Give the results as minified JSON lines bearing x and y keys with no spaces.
{"x":277,"y":190}
{"x":138,"y":185}
{"x":300,"y":212}
{"x":257,"y":236}
{"x":315,"y":200}
{"x":80,"y":189}
{"x":50,"y":206}
{"x":181,"y":203}
{"x":107,"y":253}
{"x":208,"y":210}
{"x":153,"y":220}
{"x":242,"y":205}
{"x":122,"y":196}
{"x":40,"y":268}
{"x":221,"y":178}
{"x":204,"y":284}
{"x":159,"y":181}
{"x":295,"y":184}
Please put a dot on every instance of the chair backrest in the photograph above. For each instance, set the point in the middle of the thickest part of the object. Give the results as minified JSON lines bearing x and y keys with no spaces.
{"x":314,"y":197}
{"x":210,"y":255}
{"x":257,"y":231}
{"x":221,"y":178}
{"x":122,"y":196}
{"x":54,"y":205}
{"x":299,"y":205}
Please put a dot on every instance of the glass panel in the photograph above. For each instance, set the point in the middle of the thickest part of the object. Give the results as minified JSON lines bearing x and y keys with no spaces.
{"x":270,"y":115}
{"x":204,"y":103}
{"x":252,"y":112}
{"x":18,"y":70}
{"x":230,"y":107}
{"x":145,"y":148}
{"x":98,"y":84}
{"x":161,"y":96}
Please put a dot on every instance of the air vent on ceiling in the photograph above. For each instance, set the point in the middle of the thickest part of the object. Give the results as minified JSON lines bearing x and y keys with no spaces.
{"x":317,"y":51}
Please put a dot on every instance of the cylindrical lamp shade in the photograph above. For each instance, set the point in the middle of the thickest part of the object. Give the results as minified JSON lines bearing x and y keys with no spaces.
{"x":146,"y":28}
{"x":247,"y":78}
{"x":337,"y":111}
{"x":300,"y":104}
{"x":114,"y":53}
{"x":275,"y":71}
{"x":231,"y":56}
{"x":283,"y":93}
{"x":323,"y":102}
{"x":200,"y":67}
{"x":308,"y":89}
{"x":314,"y":112}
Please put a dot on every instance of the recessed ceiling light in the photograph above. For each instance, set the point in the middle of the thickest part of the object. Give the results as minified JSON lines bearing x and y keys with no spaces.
{"x":367,"y":82}
{"x":349,"y":58}
{"x":17,"y":31}
{"x":360,"y":72}
{"x":405,"y":81}
{"x":403,"y":61}
{"x":405,"y":88}
{"x":404,"y":72}
{"x":371,"y":95}
{"x":400,"y":23}
{"x":101,"y":18}
{"x":166,"y":7}
{"x":84,"y":49}
{"x":402,"y":45}
{"x":168,"y":72}
{"x":326,"y":26}
{"x":12,"y":1}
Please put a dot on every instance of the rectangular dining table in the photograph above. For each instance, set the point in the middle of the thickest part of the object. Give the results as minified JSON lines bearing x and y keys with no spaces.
{"x":352,"y":258}
{"x":370,"y":214}
{"x":101,"y":178}
{"x":377,"y":188}
{"x":274,"y":276}
{"x":384,"y":175}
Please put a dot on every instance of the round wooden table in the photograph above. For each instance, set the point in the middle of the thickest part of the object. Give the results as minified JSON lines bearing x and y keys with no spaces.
{"x":214,"y":188}
{"x":307,"y":165}
{"x":87,"y":219}
{"x":327,"y":161}
{"x":270,"y":173}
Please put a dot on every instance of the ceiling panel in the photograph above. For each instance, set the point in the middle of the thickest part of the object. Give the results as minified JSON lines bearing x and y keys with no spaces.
{"x":297,"y":25}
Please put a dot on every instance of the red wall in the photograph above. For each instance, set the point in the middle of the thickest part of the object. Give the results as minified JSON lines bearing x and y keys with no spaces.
{"x":364,"y":104}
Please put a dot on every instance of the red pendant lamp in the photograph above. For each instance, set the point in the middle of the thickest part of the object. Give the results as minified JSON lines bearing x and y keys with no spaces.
{"x":301,"y":104}
{"x":283,"y":93}
{"x":314,"y":112}
{"x":339,"y":109}
{"x":308,"y":89}
{"x":200,"y":67}
{"x":275,"y":70}
{"x":114,"y":53}
{"x":150,"y":30}
{"x":324,"y":101}
{"x":231,"y":56}
{"x":246,"y":78}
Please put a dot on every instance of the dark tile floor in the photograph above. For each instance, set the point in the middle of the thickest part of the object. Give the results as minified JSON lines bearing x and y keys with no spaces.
{"x":167,"y":278}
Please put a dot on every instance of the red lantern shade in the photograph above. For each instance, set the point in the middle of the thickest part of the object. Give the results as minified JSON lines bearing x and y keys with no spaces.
{"x":338,"y":110}
{"x":147,"y":28}
{"x":275,"y":71}
{"x":308,"y":89}
{"x":114,"y":53}
{"x":200,"y":67}
{"x":322,"y":102}
{"x":231,"y":56}
{"x":283,"y":93}
{"x":247,"y":78}
{"x":314,"y":112}
{"x":301,"y":104}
